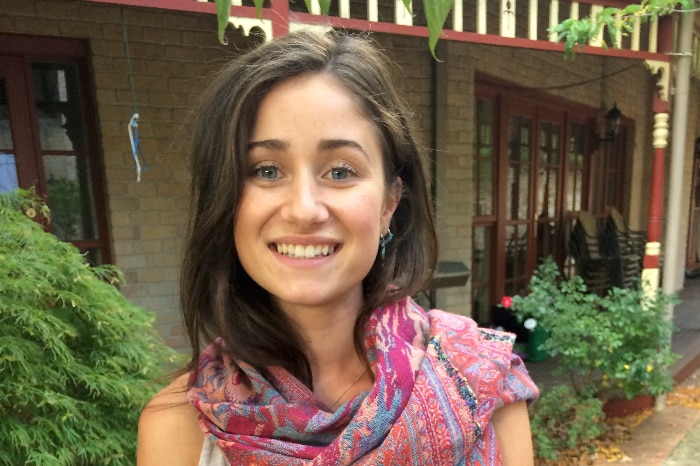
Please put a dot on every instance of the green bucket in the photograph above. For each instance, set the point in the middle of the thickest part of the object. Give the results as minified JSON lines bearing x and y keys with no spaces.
{"x":538,"y":336}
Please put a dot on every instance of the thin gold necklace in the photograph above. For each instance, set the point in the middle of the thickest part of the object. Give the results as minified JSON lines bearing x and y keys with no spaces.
{"x":347,"y":389}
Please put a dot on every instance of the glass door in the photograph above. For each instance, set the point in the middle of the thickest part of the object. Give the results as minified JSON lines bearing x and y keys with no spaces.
{"x":531,"y":183}
{"x":531,"y":177}
{"x":535,"y":223}
{"x":519,"y":212}
{"x":543,"y":184}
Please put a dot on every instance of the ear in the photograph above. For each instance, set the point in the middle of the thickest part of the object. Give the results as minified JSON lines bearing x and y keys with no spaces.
{"x":391,"y":202}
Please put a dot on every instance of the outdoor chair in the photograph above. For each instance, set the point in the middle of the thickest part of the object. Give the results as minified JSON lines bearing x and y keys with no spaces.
{"x":627,"y":246}
{"x":593,"y":262}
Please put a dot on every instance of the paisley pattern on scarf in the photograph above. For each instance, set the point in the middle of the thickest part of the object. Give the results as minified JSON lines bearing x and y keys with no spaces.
{"x":438,"y":379}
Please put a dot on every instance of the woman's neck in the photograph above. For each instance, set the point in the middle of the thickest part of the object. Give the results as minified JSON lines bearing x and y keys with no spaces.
{"x":327,"y":333}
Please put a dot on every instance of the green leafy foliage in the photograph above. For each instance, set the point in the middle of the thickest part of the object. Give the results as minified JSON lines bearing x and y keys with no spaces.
{"x":564,"y":419}
{"x":223,"y":8}
{"x":77,"y":359}
{"x":436,"y":12}
{"x":620,"y":341}
{"x":323,"y":4}
{"x":613,"y":21}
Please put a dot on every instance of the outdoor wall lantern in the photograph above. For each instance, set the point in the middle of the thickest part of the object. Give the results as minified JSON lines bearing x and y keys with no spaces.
{"x":611,"y":126}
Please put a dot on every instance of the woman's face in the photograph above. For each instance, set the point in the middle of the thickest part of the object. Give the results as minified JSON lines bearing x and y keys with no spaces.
{"x":315,"y":200}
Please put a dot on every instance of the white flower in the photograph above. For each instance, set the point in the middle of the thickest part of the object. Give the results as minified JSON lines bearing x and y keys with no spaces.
{"x":530,"y":323}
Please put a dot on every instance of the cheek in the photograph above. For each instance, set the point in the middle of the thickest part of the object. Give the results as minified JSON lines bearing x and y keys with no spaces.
{"x":245,"y":219}
{"x":365,"y":214}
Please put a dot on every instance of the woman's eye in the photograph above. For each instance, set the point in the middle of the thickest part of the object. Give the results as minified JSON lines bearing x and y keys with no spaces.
{"x":267,"y":172}
{"x":342,"y":172}
{"x":339,"y":173}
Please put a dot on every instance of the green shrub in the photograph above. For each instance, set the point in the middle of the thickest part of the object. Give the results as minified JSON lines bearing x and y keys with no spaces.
{"x":77,"y":359}
{"x":620,"y":341}
{"x":563,"y":419}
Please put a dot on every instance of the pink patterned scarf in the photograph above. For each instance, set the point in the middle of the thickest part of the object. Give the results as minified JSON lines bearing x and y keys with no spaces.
{"x":438,"y":380}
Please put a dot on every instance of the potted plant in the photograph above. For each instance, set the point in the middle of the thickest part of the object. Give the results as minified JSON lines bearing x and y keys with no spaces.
{"x":611,"y":345}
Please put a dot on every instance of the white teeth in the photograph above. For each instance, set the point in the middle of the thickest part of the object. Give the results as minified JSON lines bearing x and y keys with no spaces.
{"x":308,"y":252}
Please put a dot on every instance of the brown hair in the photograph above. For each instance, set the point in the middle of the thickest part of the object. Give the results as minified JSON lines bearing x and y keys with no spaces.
{"x":219,"y":299}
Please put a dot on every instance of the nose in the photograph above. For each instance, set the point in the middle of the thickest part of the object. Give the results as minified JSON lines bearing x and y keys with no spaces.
{"x":304,"y":204}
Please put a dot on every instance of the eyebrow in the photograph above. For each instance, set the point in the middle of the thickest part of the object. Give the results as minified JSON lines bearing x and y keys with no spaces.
{"x":325,"y":144}
{"x":330,"y":144}
{"x":273,"y":144}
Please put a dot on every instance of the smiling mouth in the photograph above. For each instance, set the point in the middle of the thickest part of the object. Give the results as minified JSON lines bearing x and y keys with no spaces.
{"x":308,"y":251}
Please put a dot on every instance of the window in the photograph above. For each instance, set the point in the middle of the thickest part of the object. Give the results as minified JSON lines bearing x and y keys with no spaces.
{"x":47,"y":137}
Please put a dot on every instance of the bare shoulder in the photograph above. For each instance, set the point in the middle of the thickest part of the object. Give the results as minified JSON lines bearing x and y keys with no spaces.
{"x":169,"y":431}
{"x":512,"y":427}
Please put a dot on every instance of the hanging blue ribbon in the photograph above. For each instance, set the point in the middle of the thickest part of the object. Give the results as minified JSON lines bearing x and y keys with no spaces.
{"x":134,"y":138}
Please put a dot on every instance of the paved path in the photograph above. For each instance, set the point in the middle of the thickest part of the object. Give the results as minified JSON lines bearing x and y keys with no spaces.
{"x":670,"y":437}
{"x":688,"y":450}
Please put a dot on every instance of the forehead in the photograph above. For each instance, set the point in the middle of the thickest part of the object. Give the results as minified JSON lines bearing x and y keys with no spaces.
{"x":316,"y":87}
{"x":319,"y":99}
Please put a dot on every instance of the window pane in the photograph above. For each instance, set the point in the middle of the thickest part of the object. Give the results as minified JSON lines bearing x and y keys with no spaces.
{"x":485,"y":190}
{"x":482,"y":261}
{"x":484,"y":161}
{"x":57,"y":91}
{"x":517,"y":200}
{"x":8,"y":172}
{"x":574,"y":181}
{"x":70,"y":197}
{"x":5,"y":131}
{"x":548,"y":172}
{"x":8,"y":167}
{"x":516,"y":277}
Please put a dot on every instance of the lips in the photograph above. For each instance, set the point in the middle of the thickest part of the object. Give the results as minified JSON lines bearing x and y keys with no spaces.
{"x":305,"y":251}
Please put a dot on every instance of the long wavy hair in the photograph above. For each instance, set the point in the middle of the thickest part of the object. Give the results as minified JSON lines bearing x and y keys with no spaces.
{"x":219,"y":298}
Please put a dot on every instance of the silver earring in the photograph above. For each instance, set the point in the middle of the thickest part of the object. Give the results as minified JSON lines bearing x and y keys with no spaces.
{"x":383,"y":241}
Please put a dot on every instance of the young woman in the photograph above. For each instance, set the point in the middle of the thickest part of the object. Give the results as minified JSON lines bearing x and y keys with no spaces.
{"x":311,"y":229}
